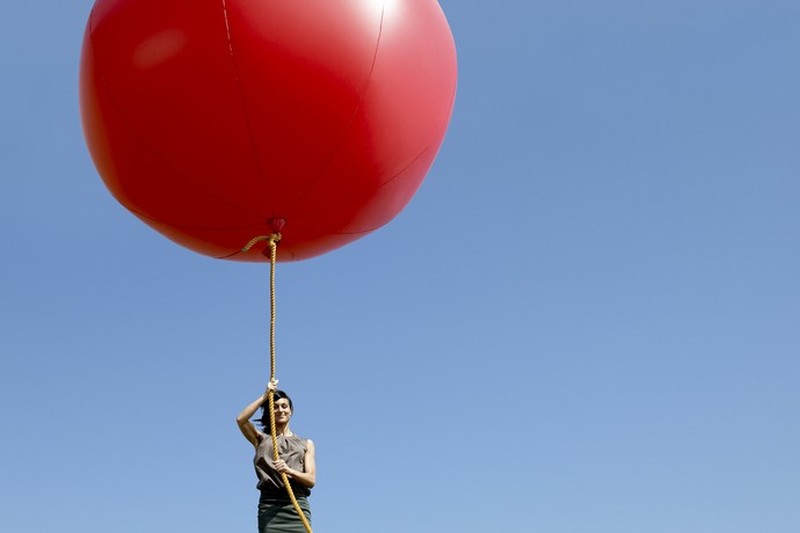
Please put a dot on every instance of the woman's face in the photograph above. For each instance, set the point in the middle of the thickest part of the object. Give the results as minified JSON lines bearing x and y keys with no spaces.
{"x":282,"y":411}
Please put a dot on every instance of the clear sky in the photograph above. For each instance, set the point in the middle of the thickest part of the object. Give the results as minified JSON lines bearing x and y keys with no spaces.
{"x":586,"y":321}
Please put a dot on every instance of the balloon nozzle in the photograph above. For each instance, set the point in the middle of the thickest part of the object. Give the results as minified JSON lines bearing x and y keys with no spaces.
{"x":277,"y":223}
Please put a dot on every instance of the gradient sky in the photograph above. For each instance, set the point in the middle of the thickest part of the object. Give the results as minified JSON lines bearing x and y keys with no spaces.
{"x":586,"y":321}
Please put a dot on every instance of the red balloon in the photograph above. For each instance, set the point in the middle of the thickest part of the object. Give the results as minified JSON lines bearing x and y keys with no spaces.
{"x":216,"y":121}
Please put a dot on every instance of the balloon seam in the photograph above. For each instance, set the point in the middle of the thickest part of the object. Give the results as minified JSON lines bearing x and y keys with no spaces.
{"x":104,"y":86}
{"x":243,"y":104}
{"x":356,"y":111}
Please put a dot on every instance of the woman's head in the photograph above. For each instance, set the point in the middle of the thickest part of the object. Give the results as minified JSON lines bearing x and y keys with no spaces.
{"x":283,"y":409}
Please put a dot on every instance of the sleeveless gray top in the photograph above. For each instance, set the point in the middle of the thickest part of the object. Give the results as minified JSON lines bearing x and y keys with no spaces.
{"x":292,"y":450}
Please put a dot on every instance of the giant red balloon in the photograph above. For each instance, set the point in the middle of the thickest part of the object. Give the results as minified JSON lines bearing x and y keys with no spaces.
{"x":208,"y":119}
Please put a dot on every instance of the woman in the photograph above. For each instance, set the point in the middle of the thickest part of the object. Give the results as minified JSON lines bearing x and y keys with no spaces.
{"x":276,"y":514}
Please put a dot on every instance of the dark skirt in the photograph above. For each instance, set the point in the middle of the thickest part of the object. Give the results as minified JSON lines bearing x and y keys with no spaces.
{"x":279,"y":515}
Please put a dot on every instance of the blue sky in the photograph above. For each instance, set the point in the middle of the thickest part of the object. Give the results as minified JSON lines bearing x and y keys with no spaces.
{"x":586,"y":321}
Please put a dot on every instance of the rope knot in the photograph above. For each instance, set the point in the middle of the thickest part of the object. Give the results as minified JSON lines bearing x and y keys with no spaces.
{"x":273,"y":239}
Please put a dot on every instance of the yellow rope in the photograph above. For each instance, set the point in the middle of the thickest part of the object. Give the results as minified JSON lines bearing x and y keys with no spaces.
{"x":273,"y":254}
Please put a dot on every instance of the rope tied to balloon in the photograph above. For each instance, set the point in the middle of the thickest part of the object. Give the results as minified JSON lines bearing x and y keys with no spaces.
{"x":272,"y":241}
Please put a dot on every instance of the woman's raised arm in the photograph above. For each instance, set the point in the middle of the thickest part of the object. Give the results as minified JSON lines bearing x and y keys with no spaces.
{"x":243,"y":420}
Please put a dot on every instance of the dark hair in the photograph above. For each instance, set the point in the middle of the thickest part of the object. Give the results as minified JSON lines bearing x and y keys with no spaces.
{"x":278,"y":395}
